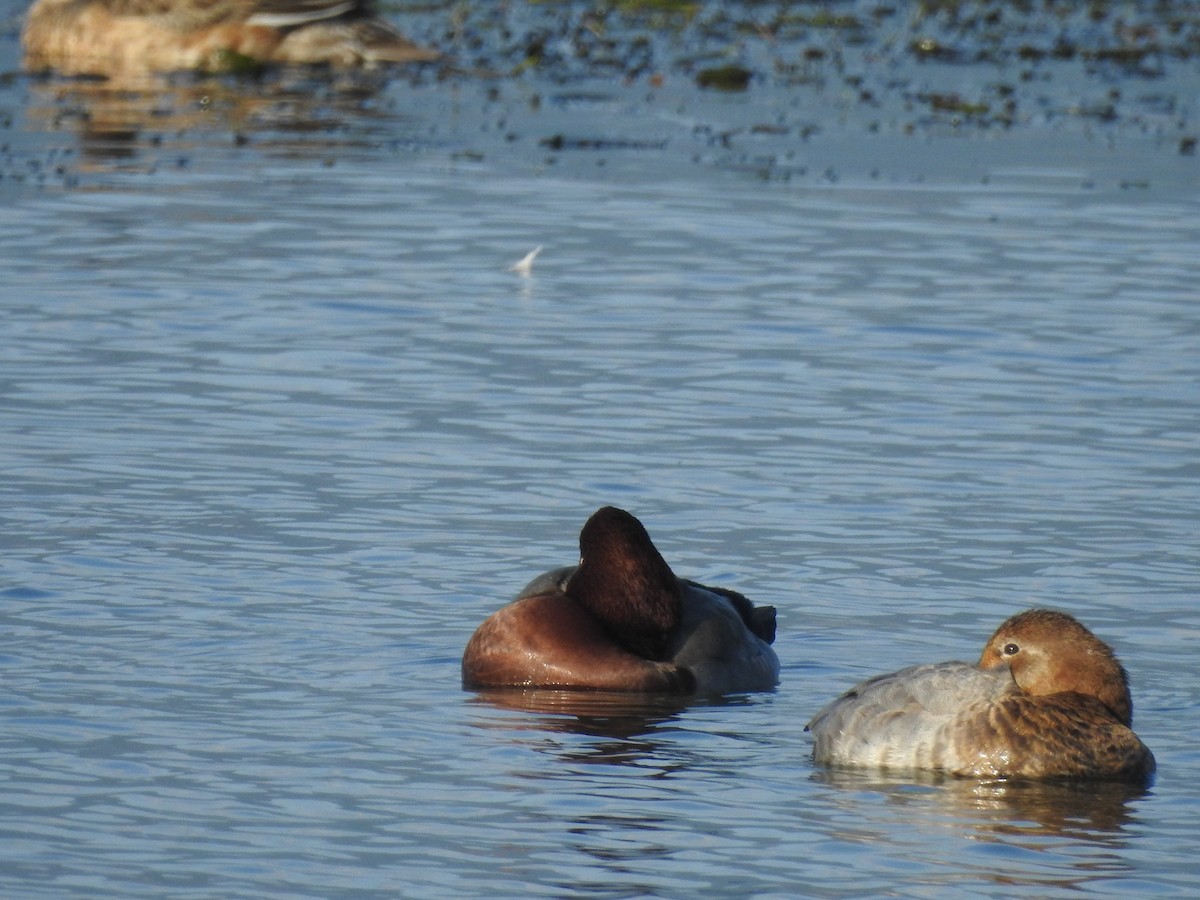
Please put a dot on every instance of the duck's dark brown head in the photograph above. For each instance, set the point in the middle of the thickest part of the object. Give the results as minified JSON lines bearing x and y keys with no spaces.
{"x":626,"y":584}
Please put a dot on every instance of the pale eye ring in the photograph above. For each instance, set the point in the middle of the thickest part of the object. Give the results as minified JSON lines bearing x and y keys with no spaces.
{"x":1011,"y":649}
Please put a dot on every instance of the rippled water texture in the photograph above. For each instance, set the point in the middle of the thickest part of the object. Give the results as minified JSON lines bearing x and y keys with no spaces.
{"x":280,"y":428}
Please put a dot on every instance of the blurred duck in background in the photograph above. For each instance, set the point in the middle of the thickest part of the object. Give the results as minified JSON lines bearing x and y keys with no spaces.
{"x":117,"y":38}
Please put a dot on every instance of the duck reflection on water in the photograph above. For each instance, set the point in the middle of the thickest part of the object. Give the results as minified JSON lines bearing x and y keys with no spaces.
{"x":616,"y":727}
{"x":991,"y":808}
{"x":147,"y":125}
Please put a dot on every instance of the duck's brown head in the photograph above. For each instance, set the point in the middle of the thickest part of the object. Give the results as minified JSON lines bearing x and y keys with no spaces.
{"x":1050,"y":652}
{"x":626,"y":584}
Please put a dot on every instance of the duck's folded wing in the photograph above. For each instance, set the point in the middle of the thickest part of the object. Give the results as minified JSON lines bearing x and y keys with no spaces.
{"x":900,"y":720}
{"x":759,"y":619}
{"x":1066,"y":735}
{"x":717,"y":646}
{"x":287,"y":13}
{"x":554,"y":580}
{"x":201,"y":13}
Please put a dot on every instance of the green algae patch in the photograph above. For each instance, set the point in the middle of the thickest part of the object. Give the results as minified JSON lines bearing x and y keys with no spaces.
{"x":230,"y":62}
{"x":725,"y":78}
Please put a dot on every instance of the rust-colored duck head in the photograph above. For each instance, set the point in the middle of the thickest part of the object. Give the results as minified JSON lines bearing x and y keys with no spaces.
{"x":1050,"y":652}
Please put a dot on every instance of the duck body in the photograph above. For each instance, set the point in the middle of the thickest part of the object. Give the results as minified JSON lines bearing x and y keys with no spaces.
{"x":1060,"y":711}
{"x":135,"y":37}
{"x":622,"y":621}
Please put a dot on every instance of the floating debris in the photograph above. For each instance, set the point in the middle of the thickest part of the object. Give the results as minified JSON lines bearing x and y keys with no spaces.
{"x":524,"y":267}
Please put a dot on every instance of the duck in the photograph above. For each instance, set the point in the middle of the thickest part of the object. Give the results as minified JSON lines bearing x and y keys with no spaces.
{"x":622,"y":621}
{"x":120,"y":38}
{"x":1047,"y":699}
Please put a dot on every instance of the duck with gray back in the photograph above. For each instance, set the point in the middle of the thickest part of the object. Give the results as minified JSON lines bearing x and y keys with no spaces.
{"x":621,"y":620}
{"x":1047,"y":699}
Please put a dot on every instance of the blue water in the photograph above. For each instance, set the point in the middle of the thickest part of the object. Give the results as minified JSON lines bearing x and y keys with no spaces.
{"x":280,"y":428}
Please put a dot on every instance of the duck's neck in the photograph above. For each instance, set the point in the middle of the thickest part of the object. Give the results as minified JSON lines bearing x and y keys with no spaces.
{"x":639,"y":611}
{"x":1113,"y":692}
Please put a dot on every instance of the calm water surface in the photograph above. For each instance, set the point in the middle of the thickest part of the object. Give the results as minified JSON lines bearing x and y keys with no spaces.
{"x":280,"y":428}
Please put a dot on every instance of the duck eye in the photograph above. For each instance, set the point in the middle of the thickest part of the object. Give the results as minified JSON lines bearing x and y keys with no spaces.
{"x":1011,"y":649}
